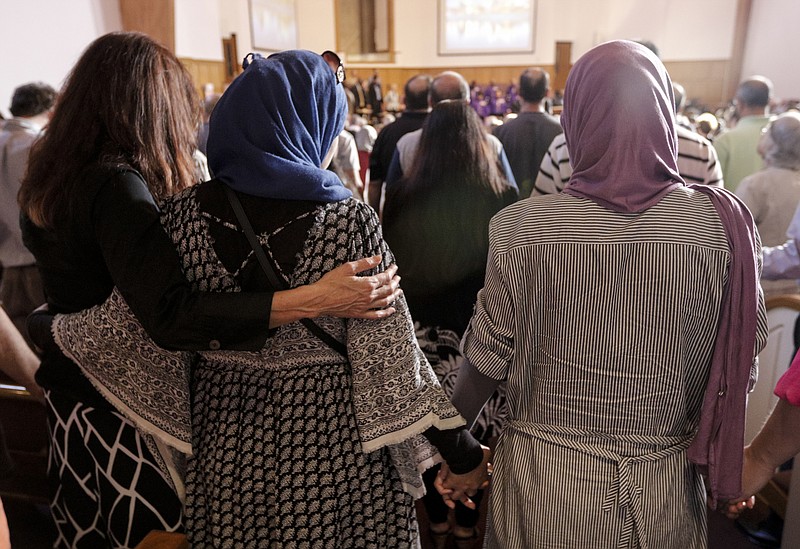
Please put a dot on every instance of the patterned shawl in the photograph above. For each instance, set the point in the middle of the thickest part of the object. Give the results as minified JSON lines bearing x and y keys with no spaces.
{"x":396,"y":395}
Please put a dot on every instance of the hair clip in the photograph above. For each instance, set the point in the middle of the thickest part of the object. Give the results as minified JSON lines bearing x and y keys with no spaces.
{"x":249,"y":58}
{"x":336,"y":64}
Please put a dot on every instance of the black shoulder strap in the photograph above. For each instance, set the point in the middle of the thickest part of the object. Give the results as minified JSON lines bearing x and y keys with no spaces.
{"x":276,"y":281}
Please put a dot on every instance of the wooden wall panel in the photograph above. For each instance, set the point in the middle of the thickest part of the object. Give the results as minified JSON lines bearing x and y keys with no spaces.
{"x":703,"y":80}
{"x":155,"y":18}
{"x":204,"y":71}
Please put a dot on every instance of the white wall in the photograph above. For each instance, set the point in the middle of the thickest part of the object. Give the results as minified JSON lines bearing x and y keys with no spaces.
{"x":316,"y":30}
{"x":317,"y":24}
{"x":197,"y":29}
{"x":682,"y":29}
{"x":773,"y":44}
{"x":40,"y":40}
{"x":235,"y":18}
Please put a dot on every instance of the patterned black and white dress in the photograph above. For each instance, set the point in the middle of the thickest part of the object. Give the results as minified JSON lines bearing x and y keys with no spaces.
{"x":294,"y":445}
{"x":278,"y":456}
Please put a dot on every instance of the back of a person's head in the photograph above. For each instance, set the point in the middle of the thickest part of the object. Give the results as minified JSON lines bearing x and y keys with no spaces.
{"x":456,"y":119}
{"x":783,"y":141}
{"x":453,"y":150}
{"x":209,"y":103}
{"x":128,"y":101}
{"x":707,"y":123}
{"x":32,"y":99}
{"x":680,"y":96}
{"x":451,"y":191}
{"x":650,"y":46}
{"x":533,"y":85}
{"x":448,"y":85}
{"x":614,"y":84}
{"x":416,"y":92}
{"x":756,"y":91}
{"x":619,"y":95}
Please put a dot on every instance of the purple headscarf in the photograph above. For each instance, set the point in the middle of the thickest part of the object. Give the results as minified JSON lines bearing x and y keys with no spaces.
{"x":273,"y":126}
{"x":619,"y":124}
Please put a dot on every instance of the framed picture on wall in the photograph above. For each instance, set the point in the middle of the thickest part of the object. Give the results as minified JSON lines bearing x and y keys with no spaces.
{"x":474,"y":27}
{"x":273,"y":24}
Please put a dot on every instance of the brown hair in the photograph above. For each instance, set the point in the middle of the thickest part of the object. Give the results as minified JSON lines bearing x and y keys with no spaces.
{"x":454,"y":186}
{"x":32,"y":99}
{"x":129,"y":102}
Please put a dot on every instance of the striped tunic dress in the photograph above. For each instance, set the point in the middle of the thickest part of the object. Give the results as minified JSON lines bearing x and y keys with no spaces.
{"x":603,"y":324}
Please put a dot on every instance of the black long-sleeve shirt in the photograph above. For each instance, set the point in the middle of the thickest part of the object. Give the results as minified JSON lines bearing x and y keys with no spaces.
{"x":114,"y":238}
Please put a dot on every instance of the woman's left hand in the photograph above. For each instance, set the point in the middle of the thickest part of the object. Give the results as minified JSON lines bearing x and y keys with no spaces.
{"x":455,"y":488}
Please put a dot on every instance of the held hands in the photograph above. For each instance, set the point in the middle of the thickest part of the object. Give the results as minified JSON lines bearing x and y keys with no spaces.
{"x":454,"y":487}
{"x":344,"y":294}
{"x":733,"y":509}
{"x":756,"y":473}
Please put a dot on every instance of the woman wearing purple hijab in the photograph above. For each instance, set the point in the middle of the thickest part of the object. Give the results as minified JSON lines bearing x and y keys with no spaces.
{"x":625,"y":315}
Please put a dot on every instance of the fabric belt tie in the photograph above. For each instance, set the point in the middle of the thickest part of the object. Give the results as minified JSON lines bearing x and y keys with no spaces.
{"x":623,"y":490}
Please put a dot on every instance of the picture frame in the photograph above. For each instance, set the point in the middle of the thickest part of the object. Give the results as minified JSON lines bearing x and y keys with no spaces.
{"x":273,"y":24}
{"x":475,"y":27}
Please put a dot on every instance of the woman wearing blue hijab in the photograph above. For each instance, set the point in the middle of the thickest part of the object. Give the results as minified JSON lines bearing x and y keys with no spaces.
{"x":305,"y":442}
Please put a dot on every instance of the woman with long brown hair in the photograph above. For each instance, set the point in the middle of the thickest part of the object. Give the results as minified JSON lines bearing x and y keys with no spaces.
{"x":314,"y":440}
{"x":436,"y":222}
{"x":120,"y":140}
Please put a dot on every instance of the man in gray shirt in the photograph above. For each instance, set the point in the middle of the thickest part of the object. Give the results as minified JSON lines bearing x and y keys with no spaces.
{"x":20,"y":287}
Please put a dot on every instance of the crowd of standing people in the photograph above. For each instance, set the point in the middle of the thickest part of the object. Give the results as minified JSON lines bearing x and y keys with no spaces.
{"x":232,"y":358}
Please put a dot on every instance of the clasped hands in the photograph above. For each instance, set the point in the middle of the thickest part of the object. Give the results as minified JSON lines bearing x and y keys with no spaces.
{"x":455,"y":487}
{"x":756,"y":473}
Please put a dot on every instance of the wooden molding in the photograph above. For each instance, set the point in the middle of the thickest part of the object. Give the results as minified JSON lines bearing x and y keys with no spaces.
{"x":740,"y":27}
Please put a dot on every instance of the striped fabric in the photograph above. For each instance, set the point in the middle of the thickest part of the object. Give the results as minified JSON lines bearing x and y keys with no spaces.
{"x":603,"y":324}
{"x":555,"y":169}
{"x":697,"y":159}
{"x":697,"y":163}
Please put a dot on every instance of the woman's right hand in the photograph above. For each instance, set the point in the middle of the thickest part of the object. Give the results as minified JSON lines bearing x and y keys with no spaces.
{"x":343,"y":293}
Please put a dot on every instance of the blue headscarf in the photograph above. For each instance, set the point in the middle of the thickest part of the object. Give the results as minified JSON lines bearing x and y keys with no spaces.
{"x":274,"y":125}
